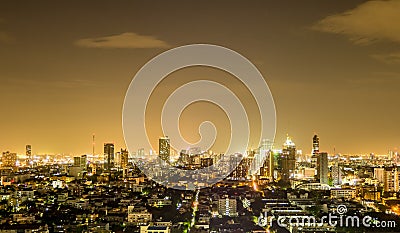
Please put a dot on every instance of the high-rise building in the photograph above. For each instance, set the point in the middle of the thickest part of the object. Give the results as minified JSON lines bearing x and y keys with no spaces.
{"x":271,"y":168}
{"x":288,"y":159}
{"x":315,"y":151}
{"x":337,"y":173}
{"x":267,"y":170}
{"x":397,"y":158}
{"x":164,"y":148}
{"x":391,"y":179}
{"x":260,"y":155}
{"x":108,"y":155}
{"x":276,"y":164}
{"x":192,"y":158}
{"x":379,"y":174}
{"x":251,"y":154}
{"x":80,"y":161}
{"x":77,"y":161}
{"x":141,"y":153}
{"x":79,"y":169}
{"x":124,"y":158}
{"x":206,"y":162}
{"x":390,"y":155}
{"x":322,"y":167}
{"x":117,"y":159}
{"x":9,"y":159}
{"x":28,"y":151}
{"x":240,"y":169}
{"x":234,"y":162}
{"x":227,"y":207}
{"x":83,"y":161}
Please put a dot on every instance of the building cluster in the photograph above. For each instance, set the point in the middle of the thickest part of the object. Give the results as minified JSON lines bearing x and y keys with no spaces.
{"x":109,"y":192}
{"x":49,"y":199}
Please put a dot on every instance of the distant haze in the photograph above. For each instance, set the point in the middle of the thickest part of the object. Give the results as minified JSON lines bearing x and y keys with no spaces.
{"x":332,"y":70}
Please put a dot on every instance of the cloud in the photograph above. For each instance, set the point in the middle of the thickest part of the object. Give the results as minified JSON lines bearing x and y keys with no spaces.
{"x":367,"y":23}
{"x":389,"y":58}
{"x":125,"y":40}
{"x":377,"y":78}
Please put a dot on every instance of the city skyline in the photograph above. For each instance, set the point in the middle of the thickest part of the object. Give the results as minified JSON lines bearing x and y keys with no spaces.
{"x":305,"y":151}
{"x":65,"y":68}
{"x":200,"y":116}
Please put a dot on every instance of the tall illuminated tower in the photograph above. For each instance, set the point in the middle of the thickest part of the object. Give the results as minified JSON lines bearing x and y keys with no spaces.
{"x":337,"y":174}
{"x":271,"y":167}
{"x":124,"y":158}
{"x":164,"y":148}
{"x":239,"y":166}
{"x":322,"y":167}
{"x":108,"y":155}
{"x":288,"y":159}
{"x":93,"y":144}
{"x":28,"y":151}
{"x":315,"y":151}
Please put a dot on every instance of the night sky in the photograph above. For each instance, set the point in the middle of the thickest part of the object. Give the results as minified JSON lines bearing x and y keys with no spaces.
{"x":333,"y":67}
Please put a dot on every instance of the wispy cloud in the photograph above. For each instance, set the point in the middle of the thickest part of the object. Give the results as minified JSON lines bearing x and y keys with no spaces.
{"x":367,"y":23}
{"x":377,"y":78}
{"x":389,"y":58}
{"x":125,"y":40}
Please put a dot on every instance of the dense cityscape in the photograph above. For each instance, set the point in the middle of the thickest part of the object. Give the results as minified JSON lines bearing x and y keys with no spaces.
{"x":207,"y":116}
{"x":267,"y":190}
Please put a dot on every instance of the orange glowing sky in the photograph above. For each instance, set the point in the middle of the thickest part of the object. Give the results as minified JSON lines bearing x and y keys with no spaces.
{"x":332,"y":67}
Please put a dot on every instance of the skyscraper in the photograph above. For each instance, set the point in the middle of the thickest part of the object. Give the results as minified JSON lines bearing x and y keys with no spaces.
{"x":379,"y":174}
{"x":259,"y":158}
{"x":322,"y":167}
{"x":315,"y":151}
{"x":164,"y":148}
{"x":271,"y":165}
{"x":337,"y":173}
{"x":267,"y":170}
{"x":28,"y":150}
{"x":77,"y":161}
{"x":288,"y":159}
{"x":108,"y":155}
{"x":83,"y":161}
{"x":239,"y":167}
{"x":124,"y":158}
{"x":80,"y":166}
